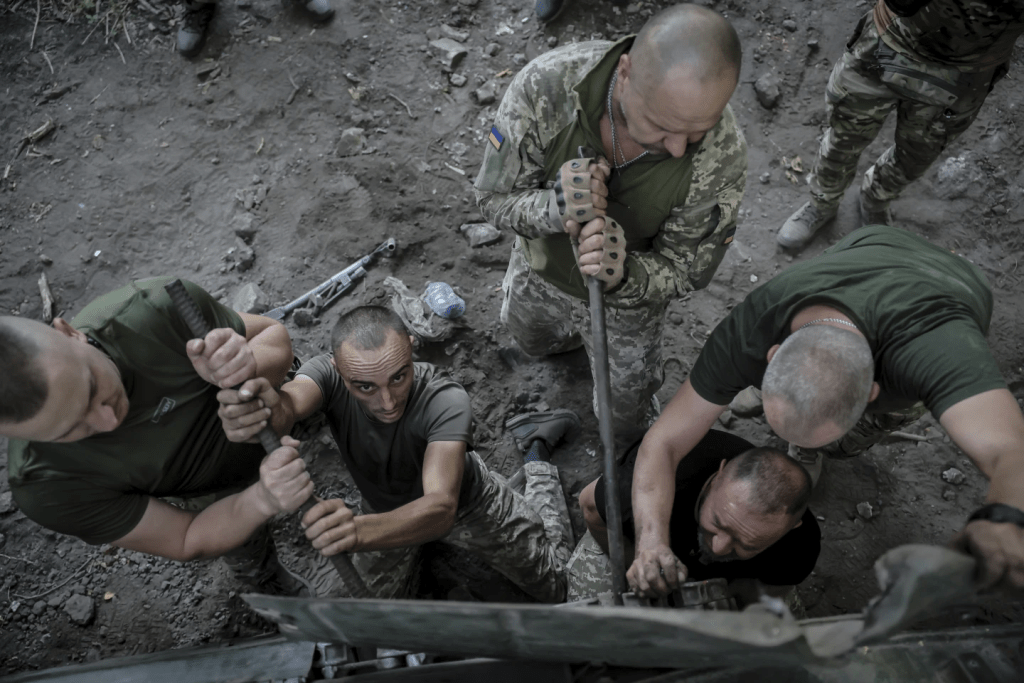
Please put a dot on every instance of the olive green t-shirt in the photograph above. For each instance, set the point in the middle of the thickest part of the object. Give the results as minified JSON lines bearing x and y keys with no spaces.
{"x":386,"y":460}
{"x":924,"y":311}
{"x":171,"y":442}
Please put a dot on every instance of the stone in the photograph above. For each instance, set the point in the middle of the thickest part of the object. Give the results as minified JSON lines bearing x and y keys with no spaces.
{"x":766,"y":178}
{"x":519,"y":59}
{"x":244,"y":255}
{"x":865,"y":510}
{"x":492,"y":49}
{"x":81,"y":609}
{"x":458,"y":80}
{"x":486,"y":94}
{"x":789,"y":25}
{"x":949,"y":494}
{"x":480,"y":234}
{"x":675,"y":318}
{"x":726,"y":418}
{"x":351,"y":143}
{"x":242,"y":225}
{"x":6,"y":502}
{"x":747,"y":403}
{"x":957,"y":175}
{"x":454,"y":33}
{"x":449,"y":52}
{"x":767,"y":89}
{"x":552,"y":41}
{"x":954,"y":476}
{"x":303,"y":318}
{"x":2,"y":540}
{"x":812,"y":44}
{"x":250,"y":299}
{"x":45,"y":260}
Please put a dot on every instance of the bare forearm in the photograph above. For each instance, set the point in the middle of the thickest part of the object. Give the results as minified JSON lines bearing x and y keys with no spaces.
{"x":1007,"y":477}
{"x":653,"y":494}
{"x":223,"y":526}
{"x":423,"y":520}
{"x":272,"y":349}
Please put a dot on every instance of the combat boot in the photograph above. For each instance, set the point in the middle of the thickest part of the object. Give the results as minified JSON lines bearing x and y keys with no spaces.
{"x":801,"y":226}
{"x":547,"y":10}
{"x":811,"y":458}
{"x":192,"y":31}
{"x":873,"y":212}
{"x":551,"y":427}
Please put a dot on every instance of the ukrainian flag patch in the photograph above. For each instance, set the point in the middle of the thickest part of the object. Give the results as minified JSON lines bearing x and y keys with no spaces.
{"x":496,"y":138}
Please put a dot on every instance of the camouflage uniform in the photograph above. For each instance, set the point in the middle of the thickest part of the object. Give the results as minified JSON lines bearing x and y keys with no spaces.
{"x":935,"y":68}
{"x":525,"y":537}
{"x":870,"y":429}
{"x":589,"y":571}
{"x":669,"y":252}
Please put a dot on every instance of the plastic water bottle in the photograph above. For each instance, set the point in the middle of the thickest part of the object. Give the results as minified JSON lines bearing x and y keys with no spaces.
{"x":443,"y":300}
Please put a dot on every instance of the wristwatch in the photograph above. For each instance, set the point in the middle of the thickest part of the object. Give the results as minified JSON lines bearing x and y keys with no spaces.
{"x":998,"y":513}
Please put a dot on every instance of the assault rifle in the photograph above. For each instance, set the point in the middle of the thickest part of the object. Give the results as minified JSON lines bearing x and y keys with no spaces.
{"x":324,"y":294}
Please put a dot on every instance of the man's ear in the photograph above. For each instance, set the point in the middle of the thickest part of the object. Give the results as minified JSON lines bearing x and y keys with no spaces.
{"x":64,"y":327}
{"x":772,"y":351}
{"x":875,"y":391}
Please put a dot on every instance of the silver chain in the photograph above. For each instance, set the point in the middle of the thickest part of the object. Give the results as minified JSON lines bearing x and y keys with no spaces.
{"x":616,"y":148}
{"x":827,"y":320}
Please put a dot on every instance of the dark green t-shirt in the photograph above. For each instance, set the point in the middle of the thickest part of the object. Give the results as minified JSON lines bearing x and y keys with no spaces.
{"x":924,"y":311}
{"x":386,"y":460}
{"x":171,"y":442}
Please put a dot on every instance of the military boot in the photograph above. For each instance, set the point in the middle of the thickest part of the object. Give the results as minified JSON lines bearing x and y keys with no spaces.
{"x":801,"y":226}
{"x":551,"y":427}
{"x":192,"y":31}
{"x":811,"y":458}
{"x":873,"y":212}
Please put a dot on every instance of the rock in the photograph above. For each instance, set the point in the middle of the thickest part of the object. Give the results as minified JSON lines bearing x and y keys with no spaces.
{"x":56,"y":600}
{"x":450,"y":52}
{"x":351,"y":143}
{"x":954,"y":476}
{"x":2,"y":540}
{"x":789,"y":25}
{"x":675,"y":318}
{"x":865,"y":510}
{"x":765,"y":178}
{"x":480,"y":234}
{"x":519,"y":59}
{"x":812,"y":44}
{"x":244,"y":255}
{"x":458,"y":80}
{"x":6,"y":502}
{"x":747,"y":403}
{"x":303,"y":318}
{"x":957,"y":175}
{"x":39,"y":607}
{"x":454,"y":33}
{"x":766,"y":87}
{"x":242,"y":225}
{"x":492,"y":49}
{"x":552,"y":41}
{"x":81,"y":609}
{"x":486,"y":93}
{"x":726,"y":418}
{"x":949,"y":494}
{"x":47,"y":261}
{"x":250,"y":299}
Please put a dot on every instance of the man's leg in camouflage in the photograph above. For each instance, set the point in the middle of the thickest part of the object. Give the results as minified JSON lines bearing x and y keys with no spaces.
{"x":539,"y":317}
{"x":857,"y":103}
{"x":634,"y":365}
{"x":529,"y":545}
{"x":922,"y":132}
{"x":388,"y":574}
{"x":869,"y":430}
{"x":589,"y":571}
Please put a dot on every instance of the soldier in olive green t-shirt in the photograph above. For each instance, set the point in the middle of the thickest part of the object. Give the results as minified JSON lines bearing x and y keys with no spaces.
{"x":118,"y":408}
{"x":844,"y":346}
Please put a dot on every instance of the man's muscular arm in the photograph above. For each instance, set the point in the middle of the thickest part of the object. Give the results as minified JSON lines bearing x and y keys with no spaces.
{"x":684,"y":422}
{"x":243,"y":417}
{"x":989,"y":428}
{"x":169,"y":532}
{"x":332,"y":528}
{"x":226,"y":358}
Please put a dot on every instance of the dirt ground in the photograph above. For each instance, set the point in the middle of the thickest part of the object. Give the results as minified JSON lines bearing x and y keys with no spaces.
{"x":232,"y":169}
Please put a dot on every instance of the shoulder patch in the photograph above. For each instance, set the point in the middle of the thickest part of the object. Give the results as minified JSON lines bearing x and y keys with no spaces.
{"x":496,"y":138}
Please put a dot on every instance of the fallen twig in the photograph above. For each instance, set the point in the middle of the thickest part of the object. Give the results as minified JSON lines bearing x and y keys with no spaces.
{"x":124,"y":27}
{"x":908,"y":436}
{"x":295,"y":91}
{"x":59,"y":585}
{"x":93,"y":100}
{"x":48,"y":62}
{"x":407,"y":109}
{"x":19,"y":559}
{"x":47,"y":297}
{"x":120,"y":53}
{"x":39,"y":10}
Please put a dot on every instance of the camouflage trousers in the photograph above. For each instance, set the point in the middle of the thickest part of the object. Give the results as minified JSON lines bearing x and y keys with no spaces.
{"x":858,"y":102}
{"x":589,"y":572}
{"x":545,"y":320}
{"x":526,"y":537}
{"x":869,"y":430}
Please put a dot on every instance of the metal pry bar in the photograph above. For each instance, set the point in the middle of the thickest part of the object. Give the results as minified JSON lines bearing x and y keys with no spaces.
{"x":193,"y":317}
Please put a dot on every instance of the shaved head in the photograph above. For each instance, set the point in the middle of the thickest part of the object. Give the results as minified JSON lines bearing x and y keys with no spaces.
{"x":686,"y":39}
{"x":23,"y":384}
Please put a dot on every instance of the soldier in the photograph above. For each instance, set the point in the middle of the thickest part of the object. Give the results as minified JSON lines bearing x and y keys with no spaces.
{"x":404,"y":432}
{"x":653,"y":203}
{"x":934,"y":62}
{"x":847,"y":347}
{"x":739,"y":513}
{"x":115,"y":413}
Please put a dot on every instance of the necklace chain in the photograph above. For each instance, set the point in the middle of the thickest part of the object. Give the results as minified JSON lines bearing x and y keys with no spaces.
{"x":616,"y":148}
{"x":828,"y":320}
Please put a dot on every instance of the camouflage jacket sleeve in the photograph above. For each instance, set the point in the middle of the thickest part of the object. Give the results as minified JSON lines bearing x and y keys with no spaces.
{"x":510,"y":188}
{"x":694,"y":238}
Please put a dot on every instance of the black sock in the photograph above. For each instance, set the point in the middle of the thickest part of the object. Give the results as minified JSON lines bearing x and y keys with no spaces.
{"x":538,"y":450}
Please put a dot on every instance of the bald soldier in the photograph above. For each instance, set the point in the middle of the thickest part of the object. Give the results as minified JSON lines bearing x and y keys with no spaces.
{"x":847,"y":347}
{"x":630,"y":146}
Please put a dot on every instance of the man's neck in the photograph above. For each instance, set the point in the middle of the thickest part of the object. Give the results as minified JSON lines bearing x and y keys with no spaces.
{"x":821,"y":312}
